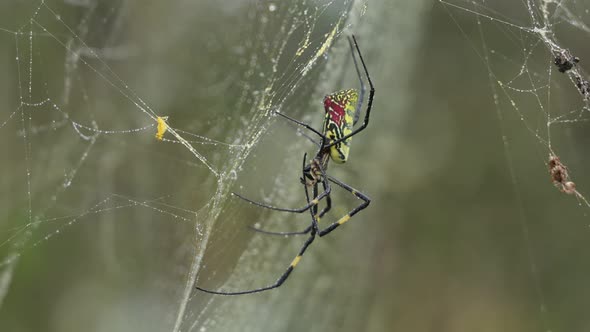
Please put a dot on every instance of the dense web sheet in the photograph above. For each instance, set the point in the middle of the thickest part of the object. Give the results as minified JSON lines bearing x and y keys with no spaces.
{"x":100,"y":141}
{"x":535,"y":55}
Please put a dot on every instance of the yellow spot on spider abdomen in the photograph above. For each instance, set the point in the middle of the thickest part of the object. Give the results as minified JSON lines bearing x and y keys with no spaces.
{"x":162,"y":127}
{"x":296,"y":261}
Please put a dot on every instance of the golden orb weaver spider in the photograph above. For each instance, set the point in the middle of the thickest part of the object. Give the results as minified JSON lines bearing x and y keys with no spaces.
{"x":342,"y":113}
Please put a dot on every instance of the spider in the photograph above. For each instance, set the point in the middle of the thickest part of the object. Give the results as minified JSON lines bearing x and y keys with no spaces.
{"x":342,"y":113}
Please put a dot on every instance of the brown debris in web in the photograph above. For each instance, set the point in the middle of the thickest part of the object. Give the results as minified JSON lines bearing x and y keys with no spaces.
{"x":560,"y":175}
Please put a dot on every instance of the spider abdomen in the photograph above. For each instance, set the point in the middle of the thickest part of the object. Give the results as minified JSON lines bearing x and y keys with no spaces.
{"x":340,"y":109}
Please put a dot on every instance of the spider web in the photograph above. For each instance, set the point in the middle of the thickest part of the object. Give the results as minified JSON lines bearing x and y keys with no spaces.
{"x":543,"y":113}
{"x":105,"y":227}
{"x":111,"y":227}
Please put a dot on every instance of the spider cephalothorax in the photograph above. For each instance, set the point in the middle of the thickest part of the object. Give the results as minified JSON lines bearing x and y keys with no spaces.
{"x":342,"y":113}
{"x":314,"y":171}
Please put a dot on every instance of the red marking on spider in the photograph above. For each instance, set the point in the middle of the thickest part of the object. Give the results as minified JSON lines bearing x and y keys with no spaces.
{"x":334,"y":109}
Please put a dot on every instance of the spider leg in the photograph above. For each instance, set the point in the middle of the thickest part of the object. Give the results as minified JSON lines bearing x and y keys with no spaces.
{"x":318,"y":217}
{"x":369,"y":102}
{"x":309,"y":138}
{"x":314,"y":209}
{"x":318,"y":144}
{"x":328,"y":202}
{"x":305,"y":231}
{"x":313,"y":202}
{"x":363,"y":89}
{"x":366,"y":201}
{"x":303,"y":124}
{"x":289,"y":269}
{"x":279,"y":281}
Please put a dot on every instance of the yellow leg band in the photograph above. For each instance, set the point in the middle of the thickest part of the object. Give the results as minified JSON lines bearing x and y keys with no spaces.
{"x":344,"y":219}
{"x":296,"y":261}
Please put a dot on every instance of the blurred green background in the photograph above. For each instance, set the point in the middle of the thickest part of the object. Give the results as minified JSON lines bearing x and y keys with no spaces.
{"x":104,"y":228}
